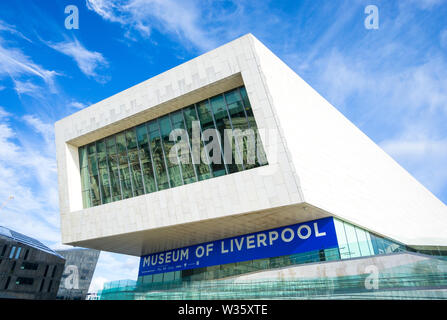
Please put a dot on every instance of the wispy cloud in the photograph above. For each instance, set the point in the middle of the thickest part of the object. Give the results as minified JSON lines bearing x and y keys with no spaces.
{"x":88,"y":61}
{"x":27,"y":87}
{"x":14,"y":63}
{"x":181,"y":19}
{"x":5,"y":27}
{"x":29,"y":174}
{"x":77,"y":105}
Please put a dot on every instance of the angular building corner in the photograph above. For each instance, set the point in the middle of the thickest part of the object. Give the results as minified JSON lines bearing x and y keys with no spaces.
{"x":118,"y":191}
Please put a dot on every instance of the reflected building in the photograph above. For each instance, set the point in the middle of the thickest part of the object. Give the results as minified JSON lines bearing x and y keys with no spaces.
{"x":78,"y":273}
{"x":28,"y":268}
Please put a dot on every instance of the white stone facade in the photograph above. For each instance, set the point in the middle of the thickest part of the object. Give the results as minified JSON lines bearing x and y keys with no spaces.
{"x":320,"y":164}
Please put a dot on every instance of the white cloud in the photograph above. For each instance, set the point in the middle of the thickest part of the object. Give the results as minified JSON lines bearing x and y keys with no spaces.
{"x":44,"y":129}
{"x":77,"y":105}
{"x":182,"y":19}
{"x":27,"y":87}
{"x":97,"y":284}
{"x":5,"y":27}
{"x":14,"y":63}
{"x":4,"y":113}
{"x":88,"y":61}
{"x":424,"y":156}
{"x":113,"y":267}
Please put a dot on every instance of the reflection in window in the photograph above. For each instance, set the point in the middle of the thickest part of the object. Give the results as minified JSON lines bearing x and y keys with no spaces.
{"x":93,"y":173}
{"x":206,"y":121}
{"x":223,"y":125}
{"x":157,"y":156}
{"x":175,"y":176}
{"x":136,"y":161}
{"x":145,"y":159}
{"x":188,"y":170}
{"x":203,"y":169}
{"x":123,"y":164}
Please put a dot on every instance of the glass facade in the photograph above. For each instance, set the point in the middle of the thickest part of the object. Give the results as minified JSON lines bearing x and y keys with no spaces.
{"x":419,"y":280}
{"x":422,"y":278}
{"x":145,"y":159}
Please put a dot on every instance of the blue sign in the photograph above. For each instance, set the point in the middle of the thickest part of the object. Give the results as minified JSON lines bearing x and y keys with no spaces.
{"x":296,"y":238}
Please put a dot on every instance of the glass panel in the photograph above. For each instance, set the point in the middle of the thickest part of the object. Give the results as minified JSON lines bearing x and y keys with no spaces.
{"x":341,"y":238}
{"x":93,"y":171}
{"x":103,"y":171}
{"x":169,"y":276}
{"x":145,"y":159}
{"x":223,"y":122}
{"x":85,"y":179}
{"x":369,"y":242}
{"x":11,"y":254}
{"x":332,"y":254}
{"x":206,"y":121}
{"x":134,"y":162}
{"x":175,"y":175}
{"x":203,"y":169}
{"x":363,"y":242}
{"x":261,"y":157}
{"x":112,"y":162}
{"x":18,"y":252}
{"x":124,"y":172}
{"x":239,"y":121}
{"x":157,"y":156}
{"x":188,"y":172}
{"x":158,"y":277}
{"x":377,"y":244}
{"x":352,"y":240}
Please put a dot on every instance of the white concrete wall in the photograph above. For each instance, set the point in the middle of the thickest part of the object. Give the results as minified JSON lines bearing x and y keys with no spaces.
{"x":344,"y":172}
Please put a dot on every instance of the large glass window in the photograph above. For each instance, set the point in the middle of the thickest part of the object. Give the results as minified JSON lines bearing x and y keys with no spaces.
{"x":147,"y":158}
{"x":356,"y":242}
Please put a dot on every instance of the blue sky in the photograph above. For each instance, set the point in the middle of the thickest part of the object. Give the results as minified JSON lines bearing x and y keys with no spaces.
{"x":390,"y":82}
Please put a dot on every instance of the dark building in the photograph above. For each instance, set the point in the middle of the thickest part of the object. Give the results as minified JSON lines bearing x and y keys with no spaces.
{"x":79,"y":268}
{"x":28,"y":268}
